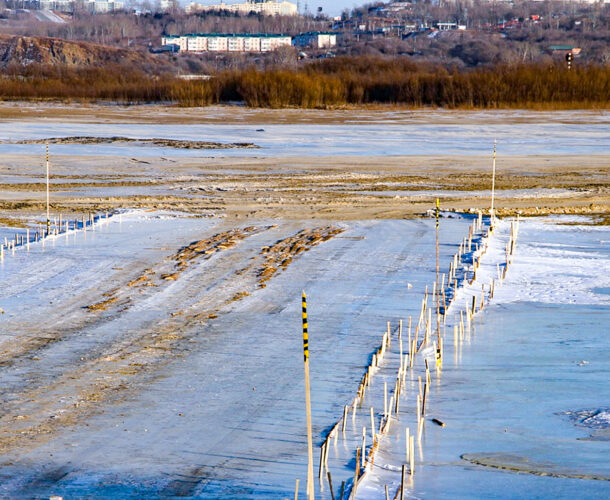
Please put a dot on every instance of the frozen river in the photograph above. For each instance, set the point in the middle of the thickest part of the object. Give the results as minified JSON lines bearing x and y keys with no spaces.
{"x":536,"y":137}
{"x":223,"y":416}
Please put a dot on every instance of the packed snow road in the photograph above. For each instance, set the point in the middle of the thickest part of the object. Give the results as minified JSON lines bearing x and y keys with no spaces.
{"x":161,"y":354}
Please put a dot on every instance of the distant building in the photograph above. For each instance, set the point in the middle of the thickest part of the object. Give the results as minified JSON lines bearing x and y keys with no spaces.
{"x":267,"y":7}
{"x":103,"y":6}
{"x":167,"y":5}
{"x":215,"y":42}
{"x":94,"y":6}
{"x":316,"y":39}
{"x":57,"y":5}
{"x":564,"y":49}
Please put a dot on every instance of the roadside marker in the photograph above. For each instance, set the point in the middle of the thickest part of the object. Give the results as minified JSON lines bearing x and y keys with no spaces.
{"x":310,"y":488}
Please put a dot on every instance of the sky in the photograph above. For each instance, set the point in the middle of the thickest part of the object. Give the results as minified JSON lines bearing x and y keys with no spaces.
{"x":330,"y":7}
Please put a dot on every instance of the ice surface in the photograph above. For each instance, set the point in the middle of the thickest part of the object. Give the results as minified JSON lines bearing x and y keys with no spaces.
{"x":537,"y":138}
{"x":226,"y":417}
{"x":537,"y":351}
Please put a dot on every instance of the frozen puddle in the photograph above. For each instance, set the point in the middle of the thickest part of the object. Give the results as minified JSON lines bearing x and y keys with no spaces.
{"x":191,"y":386}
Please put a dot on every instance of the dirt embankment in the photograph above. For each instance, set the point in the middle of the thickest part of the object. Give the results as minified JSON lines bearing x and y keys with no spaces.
{"x":25,"y":50}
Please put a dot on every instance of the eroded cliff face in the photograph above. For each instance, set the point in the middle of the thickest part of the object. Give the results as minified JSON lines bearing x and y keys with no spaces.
{"x":23,"y":51}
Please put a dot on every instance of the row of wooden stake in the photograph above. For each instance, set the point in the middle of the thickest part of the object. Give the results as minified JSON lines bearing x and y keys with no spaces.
{"x":56,"y":227}
{"x":465,"y":260}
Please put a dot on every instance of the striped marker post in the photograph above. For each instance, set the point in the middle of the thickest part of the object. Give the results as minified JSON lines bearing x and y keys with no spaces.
{"x":310,"y":488}
{"x":438,"y":284}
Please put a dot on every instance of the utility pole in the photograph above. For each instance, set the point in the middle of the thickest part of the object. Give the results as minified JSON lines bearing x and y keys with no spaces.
{"x":48,"y":217}
{"x":438,"y":285}
{"x":493,"y":188}
{"x":310,"y":486}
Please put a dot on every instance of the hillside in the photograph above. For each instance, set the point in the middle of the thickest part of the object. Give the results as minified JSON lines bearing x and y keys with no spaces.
{"x":24,"y":51}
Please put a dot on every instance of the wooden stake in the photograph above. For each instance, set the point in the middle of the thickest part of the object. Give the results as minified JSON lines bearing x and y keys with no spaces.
{"x":389,"y":337}
{"x":330,"y":485}
{"x":310,"y":485}
{"x":363,"y":446}
{"x":356,"y":473}
{"x":423,"y":404}
{"x":385,"y":399}
{"x":321,"y":465}
{"x":409,"y":330}
{"x":412,"y":455}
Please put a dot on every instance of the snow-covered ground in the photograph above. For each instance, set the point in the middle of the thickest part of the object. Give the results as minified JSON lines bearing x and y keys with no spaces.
{"x":220,"y":413}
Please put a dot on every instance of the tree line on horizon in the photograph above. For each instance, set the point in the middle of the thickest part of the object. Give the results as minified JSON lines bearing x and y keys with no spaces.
{"x":343,"y":81}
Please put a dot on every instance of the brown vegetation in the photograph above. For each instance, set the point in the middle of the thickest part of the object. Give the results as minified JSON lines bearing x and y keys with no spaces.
{"x":331,"y":83}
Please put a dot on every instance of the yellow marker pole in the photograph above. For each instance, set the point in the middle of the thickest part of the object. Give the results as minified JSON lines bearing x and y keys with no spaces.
{"x":493,"y":187}
{"x":48,"y":218}
{"x":438,"y":295}
{"x":310,"y":488}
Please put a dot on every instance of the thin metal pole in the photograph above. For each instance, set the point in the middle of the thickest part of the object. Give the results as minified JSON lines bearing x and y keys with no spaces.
{"x":493,"y":185}
{"x":48,"y":217}
{"x":438,"y":303}
{"x":310,"y":486}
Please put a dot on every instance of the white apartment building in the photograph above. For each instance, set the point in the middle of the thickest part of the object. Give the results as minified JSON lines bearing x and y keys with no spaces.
{"x":267,"y":7}
{"x":94,"y":6}
{"x":316,"y":39}
{"x":214,"y":42}
{"x":103,"y":6}
{"x":57,"y":5}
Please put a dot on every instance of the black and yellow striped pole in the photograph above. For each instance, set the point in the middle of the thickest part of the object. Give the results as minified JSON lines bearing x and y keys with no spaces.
{"x":310,"y":487}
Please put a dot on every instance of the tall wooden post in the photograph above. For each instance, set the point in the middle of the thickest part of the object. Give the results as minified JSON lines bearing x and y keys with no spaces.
{"x":493,"y":186}
{"x":438,"y":295}
{"x":310,"y":487}
{"x":47,"y":163}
